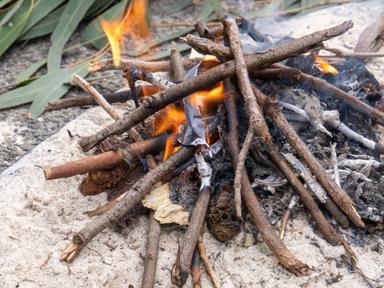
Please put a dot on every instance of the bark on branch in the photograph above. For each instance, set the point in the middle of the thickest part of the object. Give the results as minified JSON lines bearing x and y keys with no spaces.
{"x":131,"y":199}
{"x":209,"y":78}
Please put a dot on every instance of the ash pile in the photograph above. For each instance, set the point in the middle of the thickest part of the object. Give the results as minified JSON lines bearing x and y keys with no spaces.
{"x":250,"y":132}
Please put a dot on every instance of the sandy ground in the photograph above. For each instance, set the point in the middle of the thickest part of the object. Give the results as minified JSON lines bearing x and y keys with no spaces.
{"x":39,"y":217}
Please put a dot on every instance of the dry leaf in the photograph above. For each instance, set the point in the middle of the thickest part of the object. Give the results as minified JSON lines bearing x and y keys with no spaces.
{"x":372,"y":38}
{"x":165,"y":211}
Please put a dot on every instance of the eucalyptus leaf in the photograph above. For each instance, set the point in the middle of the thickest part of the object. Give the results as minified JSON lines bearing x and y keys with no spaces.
{"x":45,"y":26}
{"x":41,"y":9}
{"x":56,"y":88}
{"x":4,"y":2}
{"x":49,"y":86}
{"x":27,"y":73}
{"x":10,"y":32}
{"x":11,"y":12}
{"x":217,"y":8}
{"x":98,"y":7}
{"x":94,"y":30}
{"x":176,"y":6}
{"x":69,"y":20}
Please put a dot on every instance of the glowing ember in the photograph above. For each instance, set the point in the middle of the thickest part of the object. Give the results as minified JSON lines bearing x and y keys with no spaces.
{"x":134,"y":24}
{"x":324,"y":66}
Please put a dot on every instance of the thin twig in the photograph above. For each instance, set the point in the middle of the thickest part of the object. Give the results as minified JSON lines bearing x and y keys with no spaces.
{"x":334,"y":164}
{"x":208,"y":266}
{"x":149,"y":66}
{"x":86,"y":86}
{"x":339,"y":196}
{"x":208,"y":78}
{"x":240,"y":169}
{"x":287,"y":214}
{"x":278,"y":248}
{"x":181,"y":268}
{"x":258,"y":123}
{"x":131,"y":199}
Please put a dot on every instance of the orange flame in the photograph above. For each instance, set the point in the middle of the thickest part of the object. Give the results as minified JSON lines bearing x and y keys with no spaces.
{"x":170,"y":147}
{"x":133,"y":24}
{"x":204,"y":99}
{"x":324,"y":66}
{"x":172,"y":117}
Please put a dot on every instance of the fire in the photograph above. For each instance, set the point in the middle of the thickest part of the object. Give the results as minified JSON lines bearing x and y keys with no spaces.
{"x":324,"y":66}
{"x":133,"y":24}
{"x":172,"y":117}
{"x":204,"y":99}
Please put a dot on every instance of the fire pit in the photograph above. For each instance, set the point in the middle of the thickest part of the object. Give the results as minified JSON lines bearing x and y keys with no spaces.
{"x":233,"y":139}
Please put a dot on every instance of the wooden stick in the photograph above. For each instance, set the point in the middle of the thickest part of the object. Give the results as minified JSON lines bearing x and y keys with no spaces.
{"x":203,"y":30}
{"x":150,"y":261}
{"x":317,"y":190}
{"x":322,"y":86}
{"x":177,"y":68}
{"x":240,"y":169}
{"x":287,"y":214}
{"x":208,"y":266}
{"x":207,"y":46}
{"x":96,"y":95}
{"x":338,"y":195}
{"x":258,"y":123}
{"x":196,"y":270}
{"x":149,"y":66}
{"x":107,"y":160}
{"x":103,"y":103}
{"x":209,"y":78}
{"x":78,"y":101}
{"x":131,"y":199}
{"x":332,"y":118}
{"x":181,"y":268}
{"x":334,"y":164}
{"x":278,"y":248}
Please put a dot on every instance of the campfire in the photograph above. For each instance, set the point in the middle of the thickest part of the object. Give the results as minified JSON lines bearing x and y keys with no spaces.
{"x":223,"y":132}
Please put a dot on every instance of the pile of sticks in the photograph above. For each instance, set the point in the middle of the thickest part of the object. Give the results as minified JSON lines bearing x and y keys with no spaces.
{"x":237,"y":71}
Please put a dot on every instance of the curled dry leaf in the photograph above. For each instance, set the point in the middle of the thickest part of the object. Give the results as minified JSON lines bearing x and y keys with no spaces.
{"x":165,"y":211}
{"x":372,"y":37}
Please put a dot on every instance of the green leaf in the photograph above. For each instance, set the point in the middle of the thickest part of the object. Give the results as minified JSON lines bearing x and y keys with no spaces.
{"x":4,"y":2}
{"x":217,"y":8}
{"x":165,"y":53}
{"x":94,"y":30}
{"x":56,"y":87}
{"x":10,"y":32}
{"x":41,"y":9}
{"x":98,"y":7}
{"x":69,"y":20}
{"x":176,"y":6}
{"x":11,"y":12}
{"x":42,"y":90}
{"x":27,"y":73}
{"x":45,"y":26}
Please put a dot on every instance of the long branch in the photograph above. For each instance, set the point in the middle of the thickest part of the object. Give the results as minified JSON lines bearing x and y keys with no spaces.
{"x":106,"y":160}
{"x":340,"y":197}
{"x":258,"y":123}
{"x":131,"y":199}
{"x":284,"y":256}
{"x":149,"y":66}
{"x":209,"y":78}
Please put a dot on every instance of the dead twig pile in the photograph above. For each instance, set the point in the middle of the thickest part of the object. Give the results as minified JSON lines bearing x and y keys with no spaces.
{"x":219,"y":103}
